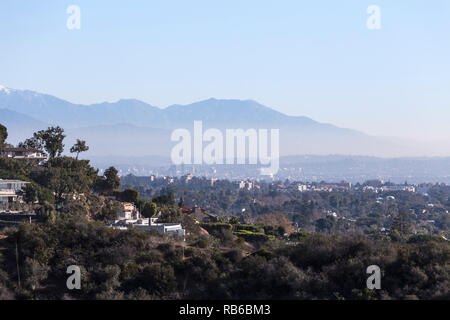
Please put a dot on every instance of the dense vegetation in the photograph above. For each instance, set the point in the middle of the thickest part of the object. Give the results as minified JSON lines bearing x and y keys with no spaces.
{"x":258,"y":254}
{"x":356,"y":211}
{"x":136,"y":265}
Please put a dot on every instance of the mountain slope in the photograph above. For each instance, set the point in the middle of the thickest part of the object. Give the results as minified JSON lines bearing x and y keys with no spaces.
{"x":213,"y":112}
{"x":136,"y":127}
{"x":20,"y":126}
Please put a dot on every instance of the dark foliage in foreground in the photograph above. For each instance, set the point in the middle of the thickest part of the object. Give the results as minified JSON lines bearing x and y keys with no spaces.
{"x":135,"y":265}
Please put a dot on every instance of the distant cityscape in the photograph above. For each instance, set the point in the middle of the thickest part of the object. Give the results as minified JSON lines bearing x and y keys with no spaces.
{"x":331,"y":168}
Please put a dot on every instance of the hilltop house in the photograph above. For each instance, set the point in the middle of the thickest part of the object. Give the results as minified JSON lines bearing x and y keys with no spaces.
{"x":24,"y":153}
{"x":129,"y":212}
{"x":130,"y":216}
{"x":10,"y":190}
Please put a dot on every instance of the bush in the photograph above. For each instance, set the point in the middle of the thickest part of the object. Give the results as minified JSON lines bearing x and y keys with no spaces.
{"x":253,"y":236}
{"x":297,"y":236}
{"x":423,"y":238}
{"x":248,"y":227}
{"x":216,"y":228}
{"x":202,"y":243}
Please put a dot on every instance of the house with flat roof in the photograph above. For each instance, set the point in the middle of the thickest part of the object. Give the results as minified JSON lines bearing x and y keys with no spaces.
{"x":129,"y":212}
{"x":10,"y":190}
{"x":147,"y":224}
{"x":24,"y":153}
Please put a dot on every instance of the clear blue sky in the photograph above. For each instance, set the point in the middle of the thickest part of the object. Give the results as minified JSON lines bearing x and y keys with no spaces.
{"x":313,"y":58}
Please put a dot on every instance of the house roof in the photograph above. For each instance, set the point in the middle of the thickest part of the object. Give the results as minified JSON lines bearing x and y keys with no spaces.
{"x":186,"y":209}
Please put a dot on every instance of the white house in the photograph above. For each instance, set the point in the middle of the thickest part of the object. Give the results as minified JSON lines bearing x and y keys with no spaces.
{"x":25,"y":153}
{"x":129,"y":212}
{"x":130,"y":218}
{"x":9,"y":190}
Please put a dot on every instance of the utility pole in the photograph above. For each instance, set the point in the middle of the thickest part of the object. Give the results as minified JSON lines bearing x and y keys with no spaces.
{"x":17,"y":264}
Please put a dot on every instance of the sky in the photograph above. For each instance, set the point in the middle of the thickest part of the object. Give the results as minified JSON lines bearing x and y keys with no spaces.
{"x":313,"y":58}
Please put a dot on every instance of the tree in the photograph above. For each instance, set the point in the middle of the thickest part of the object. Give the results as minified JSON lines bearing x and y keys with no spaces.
{"x":401,"y":223}
{"x":165,"y":199}
{"x":52,"y":139}
{"x":149,"y":209}
{"x":233,"y":220}
{"x":129,"y":195}
{"x":181,"y":203}
{"x":32,"y":143}
{"x":109,"y":182}
{"x":65,"y":175}
{"x":3,"y":136}
{"x":79,"y":147}
{"x":276,"y":220}
{"x":325,"y":224}
{"x":31,"y":193}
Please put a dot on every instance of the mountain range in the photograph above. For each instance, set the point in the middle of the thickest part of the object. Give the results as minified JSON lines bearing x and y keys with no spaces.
{"x":135,"y":128}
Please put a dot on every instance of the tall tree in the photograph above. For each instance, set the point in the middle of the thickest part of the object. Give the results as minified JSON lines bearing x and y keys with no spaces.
{"x":52,"y":139}
{"x":111,"y":179}
{"x":33,"y":143}
{"x":402,"y":223}
{"x":181,"y":203}
{"x":79,"y":147}
{"x":3,"y":136}
{"x":149,"y":209}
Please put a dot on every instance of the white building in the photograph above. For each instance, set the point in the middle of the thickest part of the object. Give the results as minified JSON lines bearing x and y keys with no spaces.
{"x":398,"y":188}
{"x":129,"y":212}
{"x":187,"y":178}
{"x":9,"y":190}
{"x":127,"y":218}
{"x":246,"y":185}
{"x":24,"y":153}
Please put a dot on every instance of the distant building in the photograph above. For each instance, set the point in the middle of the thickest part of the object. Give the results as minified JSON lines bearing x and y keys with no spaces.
{"x":246,"y":185}
{"x":331,"y":214}
{"x":398,"y":188}
{"x":129,"y":212}
{"x":187,"y":178}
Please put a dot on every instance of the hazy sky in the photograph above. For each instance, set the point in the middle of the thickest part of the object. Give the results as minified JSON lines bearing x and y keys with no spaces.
{"x":313,"y":58}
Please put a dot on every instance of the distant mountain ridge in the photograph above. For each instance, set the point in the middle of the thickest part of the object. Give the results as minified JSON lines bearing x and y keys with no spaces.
{"x":215,"y":112}
{"x":140,"y":129}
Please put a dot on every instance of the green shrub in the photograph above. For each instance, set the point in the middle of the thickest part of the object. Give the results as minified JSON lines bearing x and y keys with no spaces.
{"x":297,"y":236}
{"x":216,"y":227}
{"x":424,"y":238}
{"x":202,"y":244}
{"x":253,"y":236}
{"x":248,"y":227}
